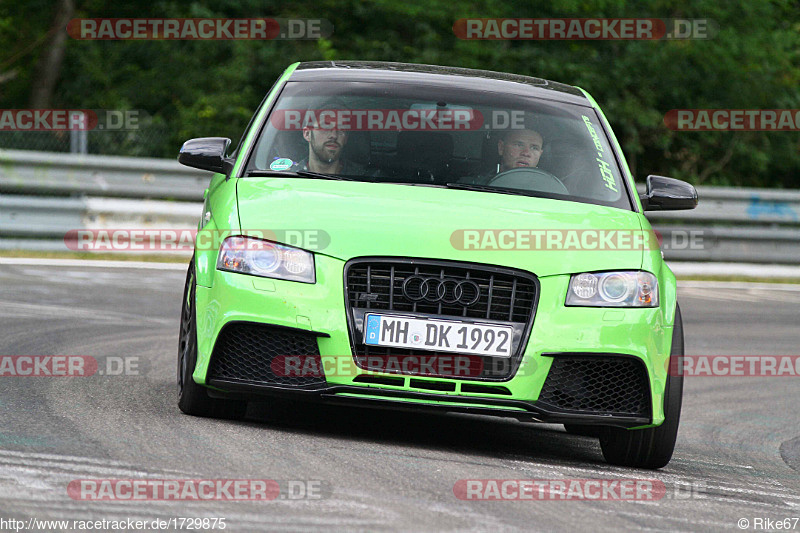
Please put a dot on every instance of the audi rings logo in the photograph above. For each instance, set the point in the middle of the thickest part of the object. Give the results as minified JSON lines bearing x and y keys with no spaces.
{"x":444,"y":290}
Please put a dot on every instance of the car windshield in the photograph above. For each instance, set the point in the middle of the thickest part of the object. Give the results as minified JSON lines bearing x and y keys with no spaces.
{"x":439,"y":136}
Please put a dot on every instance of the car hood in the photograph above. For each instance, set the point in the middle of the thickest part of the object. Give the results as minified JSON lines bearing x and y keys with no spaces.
{"x":354,"y":219}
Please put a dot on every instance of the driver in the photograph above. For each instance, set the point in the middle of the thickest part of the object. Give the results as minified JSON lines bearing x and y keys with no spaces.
{"x":519,"y":149}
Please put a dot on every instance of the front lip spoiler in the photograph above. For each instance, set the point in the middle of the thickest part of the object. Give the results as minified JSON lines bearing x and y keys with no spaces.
{"x":503,"y":407}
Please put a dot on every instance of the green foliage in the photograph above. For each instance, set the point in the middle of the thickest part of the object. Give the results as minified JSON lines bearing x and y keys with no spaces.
{"x":197,"y":88}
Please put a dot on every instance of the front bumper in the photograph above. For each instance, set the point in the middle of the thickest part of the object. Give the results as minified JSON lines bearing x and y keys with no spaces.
{"x":526,"y":411}
{"x":642,"y":334}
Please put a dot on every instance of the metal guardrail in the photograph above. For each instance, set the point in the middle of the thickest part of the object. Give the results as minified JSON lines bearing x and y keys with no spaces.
{"x":42,"y":195}
{"x":55,"y":174}
{"x":733,"y":225}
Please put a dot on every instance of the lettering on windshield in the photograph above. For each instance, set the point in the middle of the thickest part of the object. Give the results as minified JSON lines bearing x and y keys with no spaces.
{"x":605,"y":168}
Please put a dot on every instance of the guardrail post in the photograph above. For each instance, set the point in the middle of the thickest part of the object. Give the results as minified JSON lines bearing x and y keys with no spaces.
{"x":78,"y":133}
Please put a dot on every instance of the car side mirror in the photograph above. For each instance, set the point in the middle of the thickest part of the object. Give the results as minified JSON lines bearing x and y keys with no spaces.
{"x":668,"y":194}
{"x":207,"y":153}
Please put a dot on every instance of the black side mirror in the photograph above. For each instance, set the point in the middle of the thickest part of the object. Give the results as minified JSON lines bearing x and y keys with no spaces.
{"x":668,"y":194}
{"x":207,"y":153}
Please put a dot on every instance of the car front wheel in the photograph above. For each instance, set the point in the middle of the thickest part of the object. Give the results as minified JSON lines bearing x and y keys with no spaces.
{"x":193,"y":399}
{"x":651,"y":447}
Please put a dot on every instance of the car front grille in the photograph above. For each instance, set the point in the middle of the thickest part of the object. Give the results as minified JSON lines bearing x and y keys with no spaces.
{"x":255,"y":353}
{"x":379,"y":286}
{"x":600,"y":384}
{"x":503,"y":296}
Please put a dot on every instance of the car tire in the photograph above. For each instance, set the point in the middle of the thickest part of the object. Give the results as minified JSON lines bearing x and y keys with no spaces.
{"x":652,"y":447}
{"x":193,"y":399}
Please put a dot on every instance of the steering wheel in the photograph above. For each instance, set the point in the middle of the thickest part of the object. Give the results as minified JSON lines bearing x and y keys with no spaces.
{"x":529,"y":179}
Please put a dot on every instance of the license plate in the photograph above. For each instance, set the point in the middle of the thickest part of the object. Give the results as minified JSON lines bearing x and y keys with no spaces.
{"x":438,"y":335}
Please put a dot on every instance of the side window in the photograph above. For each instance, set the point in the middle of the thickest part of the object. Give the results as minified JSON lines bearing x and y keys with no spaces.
{"x":238,"y":146}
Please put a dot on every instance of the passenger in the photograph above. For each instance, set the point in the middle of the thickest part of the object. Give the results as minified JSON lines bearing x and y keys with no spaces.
{"x":326,"y":141}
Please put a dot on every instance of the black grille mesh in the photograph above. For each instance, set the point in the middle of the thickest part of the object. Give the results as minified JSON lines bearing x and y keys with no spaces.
{"x":598,"y":384}
{"x":244,"y":352}
{"x":503,"y":296}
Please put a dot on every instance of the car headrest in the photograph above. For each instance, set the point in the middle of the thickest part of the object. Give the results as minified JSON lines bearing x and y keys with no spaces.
{"x":357,"y":148}
{"x":489,"y":155}
{"x":563,"y":157}
{"x":287,"y":144}
{"x":421,"y":149}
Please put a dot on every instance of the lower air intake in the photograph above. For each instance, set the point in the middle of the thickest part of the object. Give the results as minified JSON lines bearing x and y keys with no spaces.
{"x":262,"y":354}
{"x":597,"y":385}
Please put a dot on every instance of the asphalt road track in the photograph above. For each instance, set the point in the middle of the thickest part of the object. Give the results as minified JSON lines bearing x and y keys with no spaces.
{"x":738,"y":451}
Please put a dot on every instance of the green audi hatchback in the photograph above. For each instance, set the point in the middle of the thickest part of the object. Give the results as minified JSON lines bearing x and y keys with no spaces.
{"x":437,"y":238}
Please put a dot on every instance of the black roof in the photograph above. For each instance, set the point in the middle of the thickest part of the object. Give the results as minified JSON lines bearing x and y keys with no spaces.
{"x":395,"y":72}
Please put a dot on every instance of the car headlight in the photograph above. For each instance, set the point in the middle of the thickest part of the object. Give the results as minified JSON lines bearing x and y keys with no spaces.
{"x":613,"y":289}
{"x":258,"y":257}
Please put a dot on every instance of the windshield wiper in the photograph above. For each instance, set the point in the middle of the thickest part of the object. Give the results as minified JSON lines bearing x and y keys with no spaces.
{"x":320,"y":175}
{"x":483,"y":188}
{"x":503,"y":190}
{"x":297,"y":174}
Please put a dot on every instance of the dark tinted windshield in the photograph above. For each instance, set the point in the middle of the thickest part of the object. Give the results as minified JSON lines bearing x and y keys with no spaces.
{"x":440,"y":136}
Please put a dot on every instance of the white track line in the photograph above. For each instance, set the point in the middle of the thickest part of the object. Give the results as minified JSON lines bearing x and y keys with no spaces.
{"x":92,"y":263}
{"x":685,"y":268}
{"x":739,"y":285}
